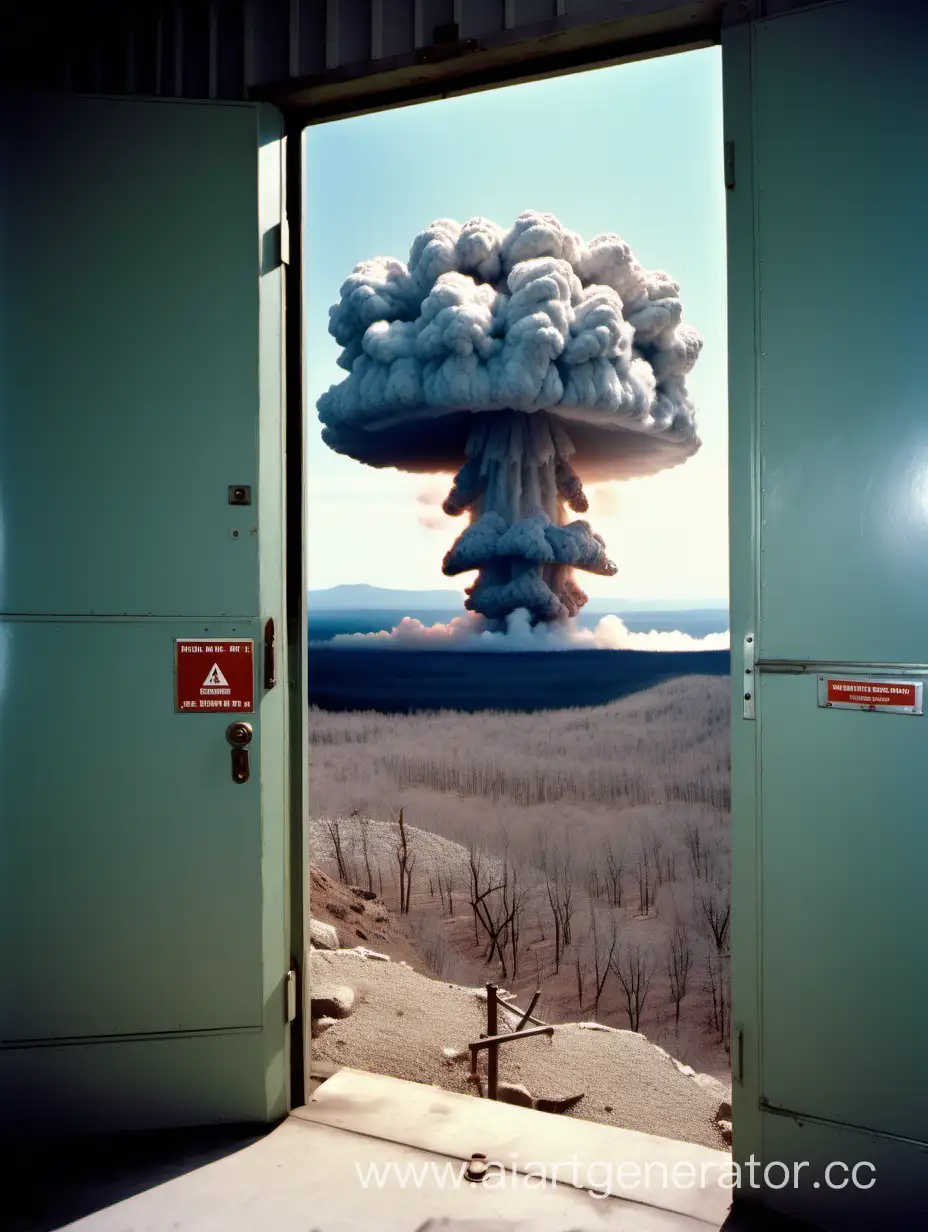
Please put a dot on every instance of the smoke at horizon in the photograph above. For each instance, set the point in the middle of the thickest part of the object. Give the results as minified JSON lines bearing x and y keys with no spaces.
{"x":471,"y":633}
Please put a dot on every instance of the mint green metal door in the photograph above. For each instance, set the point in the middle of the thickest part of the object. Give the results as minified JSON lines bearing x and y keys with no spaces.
{"x":826,"y":109}
{"x":142,"y":908}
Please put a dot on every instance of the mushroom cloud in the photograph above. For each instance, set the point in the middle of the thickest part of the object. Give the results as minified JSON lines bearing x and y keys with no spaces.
{"x":524,"y":362}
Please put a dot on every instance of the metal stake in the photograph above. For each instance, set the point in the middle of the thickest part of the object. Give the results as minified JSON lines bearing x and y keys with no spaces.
{"x":493,"y":1050}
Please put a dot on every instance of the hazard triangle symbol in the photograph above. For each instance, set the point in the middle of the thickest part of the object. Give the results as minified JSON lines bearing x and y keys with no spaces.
{"x":215,"y":679}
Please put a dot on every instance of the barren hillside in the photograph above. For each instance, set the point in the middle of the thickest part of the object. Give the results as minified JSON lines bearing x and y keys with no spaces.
{"x":581,"y":851}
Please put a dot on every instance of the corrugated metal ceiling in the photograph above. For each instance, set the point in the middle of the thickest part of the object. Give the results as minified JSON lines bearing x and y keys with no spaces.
{"x":325,"y":55}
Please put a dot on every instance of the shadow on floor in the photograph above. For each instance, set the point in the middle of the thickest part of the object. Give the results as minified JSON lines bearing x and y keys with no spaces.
{"x":746,"y":1217}
{"x":53,"y":1181}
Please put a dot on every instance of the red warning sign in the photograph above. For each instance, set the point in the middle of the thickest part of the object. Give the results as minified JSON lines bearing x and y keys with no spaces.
{"x":871,"y":693}
{"x":214,"y":674}
{"x":897,"y":696}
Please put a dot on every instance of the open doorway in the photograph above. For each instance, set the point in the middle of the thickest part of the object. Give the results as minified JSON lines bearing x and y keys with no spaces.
{"x":529,"y":792}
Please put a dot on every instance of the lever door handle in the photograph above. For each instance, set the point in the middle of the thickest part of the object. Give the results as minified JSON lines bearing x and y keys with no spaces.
{"x":239,"y":737}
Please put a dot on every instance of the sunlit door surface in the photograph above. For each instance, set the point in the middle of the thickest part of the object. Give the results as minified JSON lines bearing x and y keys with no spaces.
{"x":839,"y":200}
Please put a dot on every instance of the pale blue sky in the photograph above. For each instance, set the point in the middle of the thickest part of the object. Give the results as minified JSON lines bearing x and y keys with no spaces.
{"x":635,"y":149}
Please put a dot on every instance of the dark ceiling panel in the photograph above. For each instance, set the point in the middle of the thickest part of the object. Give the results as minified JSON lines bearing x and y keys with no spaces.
{"x":287,"y":51}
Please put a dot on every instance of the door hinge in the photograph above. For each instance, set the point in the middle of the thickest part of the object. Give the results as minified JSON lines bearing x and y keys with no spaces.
{"x":749,"y":682}
{"x":290,"y":995}
{"x":270,"y":655}
{"x":729,"y":164}
{"x":737,"y":1054}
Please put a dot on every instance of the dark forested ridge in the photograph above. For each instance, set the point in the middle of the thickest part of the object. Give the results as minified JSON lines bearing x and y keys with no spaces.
{"x":398,"y":681}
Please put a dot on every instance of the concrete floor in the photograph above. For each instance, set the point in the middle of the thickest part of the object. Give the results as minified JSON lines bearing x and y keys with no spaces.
{"x":303,"y":1176}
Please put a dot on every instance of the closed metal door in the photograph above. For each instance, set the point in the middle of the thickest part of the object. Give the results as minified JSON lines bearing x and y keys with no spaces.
{"x":143,"y":882}
{"x":840,"y":194}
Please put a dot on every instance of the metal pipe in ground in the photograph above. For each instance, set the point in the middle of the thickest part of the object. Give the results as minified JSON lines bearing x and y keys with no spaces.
{"x":493,"y":1050}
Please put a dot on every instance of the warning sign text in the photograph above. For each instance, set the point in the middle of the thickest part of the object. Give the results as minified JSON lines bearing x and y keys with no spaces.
{"x":214,"y":674}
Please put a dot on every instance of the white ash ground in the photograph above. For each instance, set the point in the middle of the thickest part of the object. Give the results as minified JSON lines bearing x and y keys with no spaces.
{"x":403,"y":1022}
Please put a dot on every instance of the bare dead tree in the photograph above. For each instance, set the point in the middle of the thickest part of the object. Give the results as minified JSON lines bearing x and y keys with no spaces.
{"x":604,"y":947}
{"x":549,"y":871}
{"x":670,"y":866}
{"x":696,"y":850}
{"x":614,"y":859}
{"x":490,"y":904}
{"x":364,"y":826}
{"x":448,"y":889}
{"x":710,"y":861}
{"x":556,"y":920}
{"x":643,"y":879}
{"x":634,"y":966}
{"x":716,"y":911}
{"x":718,"y":986}
{"x":564,"y":884}
{"x":594,"y":882}
{"x":679,"y":965}
{"x":333,"y":827}
{"x":499,"y":908}
{"x":578,"y":964}
{"x":480,"y":886}
{"x":475,"y":867}
{"x":657,"y":857}
{"x":405,"y":860}
{"x":556,"y":864}
{"x":515,"y":894}
{"x":495,"y":919}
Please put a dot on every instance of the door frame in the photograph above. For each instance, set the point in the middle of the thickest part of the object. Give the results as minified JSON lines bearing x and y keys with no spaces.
{"x":302,"y":108}
{"x":295,"y":589}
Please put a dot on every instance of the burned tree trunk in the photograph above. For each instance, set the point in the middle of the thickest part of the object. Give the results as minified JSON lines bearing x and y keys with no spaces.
{"x":405,"y":860}
{"x":679,"y":964}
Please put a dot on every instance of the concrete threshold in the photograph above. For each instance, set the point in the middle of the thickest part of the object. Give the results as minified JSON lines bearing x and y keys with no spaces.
{"x":660,"y":1173}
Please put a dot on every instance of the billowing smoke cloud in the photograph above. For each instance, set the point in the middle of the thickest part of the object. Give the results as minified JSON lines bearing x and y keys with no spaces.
{"x":526,"y":319}
{"x":521,"y":633}
{"x":526,"y":361}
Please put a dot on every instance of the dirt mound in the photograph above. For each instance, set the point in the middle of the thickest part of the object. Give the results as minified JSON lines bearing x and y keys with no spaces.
{"x":357,"y":918}
{"x":434,"y":853}
{"x":409,"y":1026}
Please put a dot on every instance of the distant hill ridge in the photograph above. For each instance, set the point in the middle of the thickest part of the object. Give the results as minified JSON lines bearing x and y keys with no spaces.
{"x":359,"y":596}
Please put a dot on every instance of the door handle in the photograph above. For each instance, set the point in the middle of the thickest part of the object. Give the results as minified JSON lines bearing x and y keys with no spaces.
{"x":239,"y":737}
